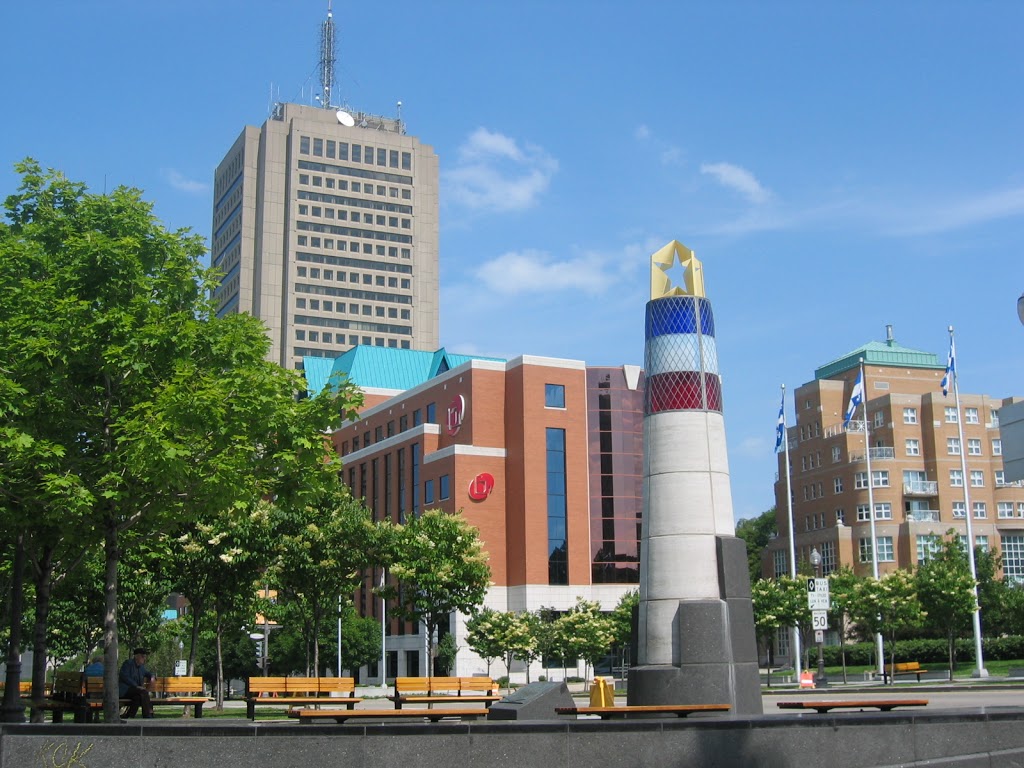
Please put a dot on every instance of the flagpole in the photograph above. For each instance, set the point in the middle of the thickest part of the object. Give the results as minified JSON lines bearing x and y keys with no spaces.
{"x":979,"y":670}
{"x":871,"y":513}
{"x":792,"y":534}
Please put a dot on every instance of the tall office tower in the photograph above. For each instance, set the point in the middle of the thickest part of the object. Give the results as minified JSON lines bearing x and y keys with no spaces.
{"x":325,"y":226}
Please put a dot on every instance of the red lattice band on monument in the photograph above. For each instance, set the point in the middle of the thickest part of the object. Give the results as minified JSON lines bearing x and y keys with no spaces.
{"x":684,"y":391}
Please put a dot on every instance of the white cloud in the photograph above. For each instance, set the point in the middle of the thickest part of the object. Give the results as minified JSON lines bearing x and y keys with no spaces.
{"x":737,"y":178}
{"x":182,"y":184}
{"x":495,"y":173}
{"x":961,"y":214}
{"x":642,"y":132}
{"x":672,"y":156}
{"x":533,"y":271}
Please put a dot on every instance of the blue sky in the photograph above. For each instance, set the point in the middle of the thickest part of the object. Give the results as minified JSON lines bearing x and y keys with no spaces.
{"x":836,"y":166}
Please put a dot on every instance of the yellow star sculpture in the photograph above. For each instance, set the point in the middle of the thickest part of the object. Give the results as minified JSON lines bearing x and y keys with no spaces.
{"x":664,"y":261}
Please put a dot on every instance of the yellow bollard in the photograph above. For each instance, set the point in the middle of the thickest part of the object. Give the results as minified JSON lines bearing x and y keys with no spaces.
{"x":602,"y":693}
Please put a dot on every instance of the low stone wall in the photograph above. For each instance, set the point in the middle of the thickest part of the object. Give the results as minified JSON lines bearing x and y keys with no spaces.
{"x":970,"y":739}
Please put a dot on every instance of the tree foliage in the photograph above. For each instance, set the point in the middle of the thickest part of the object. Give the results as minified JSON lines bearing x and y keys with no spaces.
{"x":441,"y":567}
{"x":945,"y":589}
{"x":127,"y":404}
{"x":756,"y":532}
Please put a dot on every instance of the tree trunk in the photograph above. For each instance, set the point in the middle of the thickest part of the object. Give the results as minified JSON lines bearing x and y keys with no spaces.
{"x":111,"y":710}
{"x":197,"y":608}
{"x":951,"y":647}
{"x":219,"y":700}
{"x":13,"y":711}
{"x":44,"y":583}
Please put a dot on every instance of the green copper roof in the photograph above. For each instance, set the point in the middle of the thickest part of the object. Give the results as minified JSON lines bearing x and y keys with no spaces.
{"x":372,"y":367}
{"x":879,"y":353}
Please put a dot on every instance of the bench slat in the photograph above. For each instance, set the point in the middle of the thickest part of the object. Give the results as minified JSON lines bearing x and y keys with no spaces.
{"x":822,"y":707}
{"x":680,"y":710}
{"x":341,"y":715}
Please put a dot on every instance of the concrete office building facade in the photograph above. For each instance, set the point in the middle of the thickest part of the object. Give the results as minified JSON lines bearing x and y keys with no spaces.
{"x":328,"y":232}
{"x":543,"y":456}
{"x":916,"y":476}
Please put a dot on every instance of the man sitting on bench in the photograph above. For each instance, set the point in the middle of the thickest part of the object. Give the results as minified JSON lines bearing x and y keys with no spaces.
{"x":132,"y":683}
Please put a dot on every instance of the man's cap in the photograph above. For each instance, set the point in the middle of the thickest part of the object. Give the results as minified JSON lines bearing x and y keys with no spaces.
{"x":143,"y":651}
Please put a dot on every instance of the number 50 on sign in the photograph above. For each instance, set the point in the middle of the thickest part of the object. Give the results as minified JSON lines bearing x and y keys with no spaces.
{"x":819,"y":620}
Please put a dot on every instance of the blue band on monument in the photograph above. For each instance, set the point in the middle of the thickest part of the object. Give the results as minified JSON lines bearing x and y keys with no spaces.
{"x":679,"y":314}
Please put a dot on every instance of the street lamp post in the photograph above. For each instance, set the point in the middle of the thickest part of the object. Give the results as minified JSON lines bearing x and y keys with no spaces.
{"x":820,"y":681}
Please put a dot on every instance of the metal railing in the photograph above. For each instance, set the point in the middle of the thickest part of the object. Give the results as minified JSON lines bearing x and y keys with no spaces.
{"x":923,"y":515}
{"x":877,"y":454}
{"x":921,"y":488}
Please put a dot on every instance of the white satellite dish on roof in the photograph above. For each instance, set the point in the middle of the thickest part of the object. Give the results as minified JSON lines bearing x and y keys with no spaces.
{"x":345,"y":118}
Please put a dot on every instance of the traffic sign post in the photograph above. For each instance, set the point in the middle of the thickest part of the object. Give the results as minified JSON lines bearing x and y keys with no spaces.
{"x":819,"y":603}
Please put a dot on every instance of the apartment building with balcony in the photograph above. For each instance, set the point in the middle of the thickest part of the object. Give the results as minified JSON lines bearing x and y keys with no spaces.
{"x":917,"y":481}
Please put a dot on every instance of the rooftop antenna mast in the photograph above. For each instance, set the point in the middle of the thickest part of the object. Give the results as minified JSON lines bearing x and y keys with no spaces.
{"x":327,"y":57}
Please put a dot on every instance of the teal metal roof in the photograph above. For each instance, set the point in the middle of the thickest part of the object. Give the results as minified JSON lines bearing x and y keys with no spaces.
{"x":879,"y":353}
{"x":372,"y":367}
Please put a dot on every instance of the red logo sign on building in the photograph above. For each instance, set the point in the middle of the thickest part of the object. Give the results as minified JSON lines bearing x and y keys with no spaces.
{"x":480,"y":487}
{"x":456,"y":413}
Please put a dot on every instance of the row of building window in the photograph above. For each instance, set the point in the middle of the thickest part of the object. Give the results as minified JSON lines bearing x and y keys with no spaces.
{"x":340,"y":214}
{"x":340,"y":307}
{"x":364,"y":188}
{"x":912,"y":447}
{"x":353,"y":246}
{"x":1011,"y":546}
{"x":913,"y":481}
{"x":356,"y":153}
{"x":1005,"y":510}
{"x":910,"y":416}
{"x":316,"y":273}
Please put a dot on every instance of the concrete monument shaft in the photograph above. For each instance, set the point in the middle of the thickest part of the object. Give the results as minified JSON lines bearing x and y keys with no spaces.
{"x":696,"y":642}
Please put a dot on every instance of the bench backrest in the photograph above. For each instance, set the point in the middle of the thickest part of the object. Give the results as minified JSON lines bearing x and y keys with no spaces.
{"x":445,"y":685}
{"x":478,"y":685}
{"x":906,"y":666}
{"x":181,"y":684}
{"x":328,"y":685}
{"x":94,"y":687}
{"x":68,"y":685}
{"x":24,"y":687}
{"x":268,"y":685}
{"x":301,"y":686}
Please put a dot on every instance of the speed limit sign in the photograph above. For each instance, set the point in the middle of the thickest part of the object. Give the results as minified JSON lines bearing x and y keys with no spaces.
{"x":819,"y":620}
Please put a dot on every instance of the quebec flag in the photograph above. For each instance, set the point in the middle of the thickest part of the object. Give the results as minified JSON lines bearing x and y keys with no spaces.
{"x":780,"y":429}
{"x":950,"y":370}
{"x":856,"y":398}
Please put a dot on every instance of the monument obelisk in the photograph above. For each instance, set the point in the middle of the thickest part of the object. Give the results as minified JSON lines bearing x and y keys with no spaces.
{"x":695,"y":640}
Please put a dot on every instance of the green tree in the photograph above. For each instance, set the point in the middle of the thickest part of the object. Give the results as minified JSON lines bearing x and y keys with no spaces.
{"x":324,"y":547}
{"x":484,"y":637}
{"x":842,"y":591}
{"x":888,"y":606}
{"x":130,"y":406}
{"x":586,"y":632}
{"x":756,"y":532}
{"x":945,"y":590}
{"x":441,"y":567}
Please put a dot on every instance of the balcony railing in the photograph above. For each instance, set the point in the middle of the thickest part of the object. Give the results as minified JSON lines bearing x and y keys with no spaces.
{"x":923,"y":515}
{"x":921,"y":488}
{"x":1014,"y":484}
{"x":877,"y":454}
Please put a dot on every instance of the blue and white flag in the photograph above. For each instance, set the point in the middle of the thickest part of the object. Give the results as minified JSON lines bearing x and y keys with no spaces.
{"x":950,"y":369}
{"x":856,"y":398}
{"x":780,"y":429}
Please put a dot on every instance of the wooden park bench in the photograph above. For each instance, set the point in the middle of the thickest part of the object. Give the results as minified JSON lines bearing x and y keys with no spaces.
{"x":445,"y":690}
{"x":903,"y":668}
{"x":679,"y":710}
{"x":433,"y":715}
{"x":291,"y":692}
{"x":179,"y":691}
{"x":69,"y":695}
{"x":822,"y":706}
